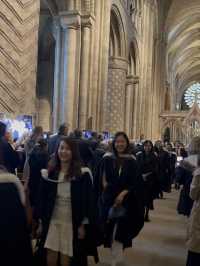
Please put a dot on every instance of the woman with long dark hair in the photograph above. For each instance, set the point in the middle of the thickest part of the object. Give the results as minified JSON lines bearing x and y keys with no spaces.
{"x":121,"y":210}
{"x":66,"y":210}
{"x":148,"y":167}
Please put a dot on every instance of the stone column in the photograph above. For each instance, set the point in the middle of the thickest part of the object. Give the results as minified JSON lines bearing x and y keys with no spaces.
{"x":70,"y":22}
{"x":56,"y":91}
{"x":84,"y":72}
{"x":131,"y":82}
{"x":129,"y":104}
{"x":116,"y":94}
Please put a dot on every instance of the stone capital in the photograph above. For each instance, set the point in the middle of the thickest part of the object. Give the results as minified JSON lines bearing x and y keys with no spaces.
{"x":118,"y":63}
{"x":87,"y":21}
{"x":131,"y":79}
{"x":70,"y":19}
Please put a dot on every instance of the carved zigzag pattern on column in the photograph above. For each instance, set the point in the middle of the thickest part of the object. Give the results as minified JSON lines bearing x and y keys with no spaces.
{"x":18,"y":52}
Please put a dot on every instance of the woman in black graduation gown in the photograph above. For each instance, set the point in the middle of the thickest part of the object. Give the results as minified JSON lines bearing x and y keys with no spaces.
{"x":15,"y":242}
{"x":66,"y":208}
{"x":148,"y":167}
{"x":120,"y":199}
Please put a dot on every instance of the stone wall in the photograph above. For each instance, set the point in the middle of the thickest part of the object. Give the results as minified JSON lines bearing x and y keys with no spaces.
{"x":18,"y":55}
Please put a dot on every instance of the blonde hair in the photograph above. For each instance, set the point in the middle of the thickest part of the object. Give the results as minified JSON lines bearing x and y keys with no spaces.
{"x":194,"y":147}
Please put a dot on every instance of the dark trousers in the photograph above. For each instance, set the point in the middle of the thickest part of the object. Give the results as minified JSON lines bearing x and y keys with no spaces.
{"x":193,"y":259}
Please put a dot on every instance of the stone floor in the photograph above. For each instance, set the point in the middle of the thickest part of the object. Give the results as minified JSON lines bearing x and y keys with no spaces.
{"x":161,"y":242}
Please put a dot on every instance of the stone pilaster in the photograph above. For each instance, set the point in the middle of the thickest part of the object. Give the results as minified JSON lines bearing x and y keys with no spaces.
{"x":57,"y":68}
{"x":130,"y":103}
{"x":86,"y":24}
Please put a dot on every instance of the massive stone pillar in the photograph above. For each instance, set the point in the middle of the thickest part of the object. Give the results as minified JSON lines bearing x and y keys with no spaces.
{"x":145,"y":97}
{"x":84,"y":71}
{"x":19,"y":22}
{"x":70,"y":65}
{"x":116,"y":94}
{"x":56,"y":89}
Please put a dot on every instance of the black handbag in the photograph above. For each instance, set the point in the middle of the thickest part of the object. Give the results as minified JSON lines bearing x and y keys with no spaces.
{"x":40,"y":254}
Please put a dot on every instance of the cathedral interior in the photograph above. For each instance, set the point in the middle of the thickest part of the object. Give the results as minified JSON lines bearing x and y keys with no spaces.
{"x":108,"y":66}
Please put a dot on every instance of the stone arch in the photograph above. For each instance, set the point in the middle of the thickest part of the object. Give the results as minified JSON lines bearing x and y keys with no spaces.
{"x":132,"y":81}
{"x":117,"y":33}
{"x":117,"y":70}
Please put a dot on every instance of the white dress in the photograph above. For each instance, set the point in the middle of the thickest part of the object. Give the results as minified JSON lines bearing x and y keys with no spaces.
{"x":60,"y":234}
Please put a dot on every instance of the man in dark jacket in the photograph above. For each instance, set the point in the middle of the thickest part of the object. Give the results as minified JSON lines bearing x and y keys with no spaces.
{"x":55,"y":139}
{"x":8,"y":156}
{"x":164,"y":168}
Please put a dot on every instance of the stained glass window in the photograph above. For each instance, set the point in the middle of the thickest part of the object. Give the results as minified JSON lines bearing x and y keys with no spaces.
{"x":192,"y":95}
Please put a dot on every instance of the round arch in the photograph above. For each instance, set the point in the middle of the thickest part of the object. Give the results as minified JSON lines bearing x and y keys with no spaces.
{"x":117,"y":34}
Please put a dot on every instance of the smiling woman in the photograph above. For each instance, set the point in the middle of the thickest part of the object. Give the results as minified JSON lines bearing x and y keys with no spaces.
{"x":66,"y":208}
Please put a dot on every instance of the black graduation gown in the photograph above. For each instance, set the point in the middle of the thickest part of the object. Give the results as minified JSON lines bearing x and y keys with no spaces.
{"x":38,"y":160}
{"x":129,"y":226}
{"x":148,"y":163}
{"x":15,"y":243}
{"x":82,"y":207}
{"x":9,"y":157}
{"x":164,"y":171}
{"x":184,"y":177}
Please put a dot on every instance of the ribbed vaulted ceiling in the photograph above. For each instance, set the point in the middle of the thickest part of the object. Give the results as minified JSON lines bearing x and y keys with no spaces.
{"x":183,"y":46}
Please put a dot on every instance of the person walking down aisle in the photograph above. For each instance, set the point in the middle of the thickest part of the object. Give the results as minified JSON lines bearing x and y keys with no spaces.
{"x":29,"y":145}
{"x":193,"y":239}
{"x":66,"y":208}
{"x":148,"y":167}
{"x":164,"y":168}
{"x":120,"y":201}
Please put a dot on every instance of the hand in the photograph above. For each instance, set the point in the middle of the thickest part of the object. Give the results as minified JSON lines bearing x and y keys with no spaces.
{"x":81,"y":232}
{"x":39,"y":230}
{"x":120,"y":198}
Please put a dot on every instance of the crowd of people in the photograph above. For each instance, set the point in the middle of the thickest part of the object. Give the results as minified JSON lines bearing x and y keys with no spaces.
{"x":69,"y":194}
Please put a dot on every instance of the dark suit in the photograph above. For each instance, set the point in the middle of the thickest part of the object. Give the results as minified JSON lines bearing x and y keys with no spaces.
{"x":8,"y":157}
{"x":53,"y":143}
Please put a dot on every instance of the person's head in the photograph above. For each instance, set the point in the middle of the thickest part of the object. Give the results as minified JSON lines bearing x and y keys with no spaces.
{"x":2,"y":129}
{"x":67,"y":154}
{"x":148,"y":146}
{"x":77,"y":133}
{"x":169,"y":147}
{"x":94,"y":135}
{"x":37,"y":132}
{"x":43,"y":144}
{"x":120,"y":144}
{"x":194,"y":147}
{"x":63,"y":129}
{"x":159,"y":144}
{"x":8,"y":136}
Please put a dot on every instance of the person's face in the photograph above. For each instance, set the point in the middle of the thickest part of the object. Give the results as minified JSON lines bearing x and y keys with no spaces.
{"x":120,"y":144}
{"x":8,"y":136}
{"x":159,"y":144}
{"x":64,"y":152}
{"x":66,"y":131}
{"x":147,"y":147}
{"x":169,"y":147}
